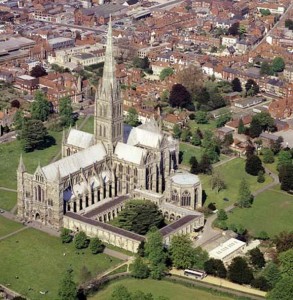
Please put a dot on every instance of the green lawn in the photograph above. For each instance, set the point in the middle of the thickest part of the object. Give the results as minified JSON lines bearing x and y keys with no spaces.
{"x":39,"y":262}
{"x":172,"y":291}
{"x":89,"y":125}
{"x":271,"y":211}
{"x":7,"y":199}
{"x":188,"y":151}
{"x":209,"y":126}
{"x":7,"y":226}
{"x":233,"y":171}
{"x":9,"y":157}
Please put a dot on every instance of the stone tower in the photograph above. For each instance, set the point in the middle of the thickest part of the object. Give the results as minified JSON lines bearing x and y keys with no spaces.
{"x":108,"y":106}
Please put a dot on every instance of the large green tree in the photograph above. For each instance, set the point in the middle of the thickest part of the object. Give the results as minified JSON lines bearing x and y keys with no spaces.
{"x":68,"y":288}
{"x":284,"y":159}
{"x":283,"y":290}
{"x":215,"y":267}
{"x":65,"y":111}
{"x":286,"y":177}
{"x":268,"y":156}
{"x":34,"y":135}
{"x":286,"y":262}
{"x":278,"y":64}
{"x":18,"y":119}
{"x":132,"y":117}
{"x":245,"y":197}
{"x":179,"y":96}
{"x":96,"y":246}
{"x":166,"y":73}
{"x":284,"y":241}
{"x":81,"y":240}
{"x":239,"y":271}
{"x":38,"y":71}
{"x":236,"y":85}
{"x":255,"y":128}
{"x":139,"y":216}
{"x":140,"y":269}
{"x":155,"y":253}
{"x":40,"y":108}
{"x":257,"y":258}
{"x":253,"y":165}
{"x":272,"y":273}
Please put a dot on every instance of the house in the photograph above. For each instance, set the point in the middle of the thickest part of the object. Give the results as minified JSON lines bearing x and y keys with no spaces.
{"x":26,"y":83}
{"x":248,"y":102}
{"x":268,"y":139}
{"x":223,"y":132}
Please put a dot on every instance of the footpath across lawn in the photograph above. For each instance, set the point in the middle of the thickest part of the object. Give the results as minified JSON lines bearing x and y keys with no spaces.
{"x":33,"y":261}
{"x":172,"y":291}
{"x":271,"y":211}
{"x":7,"y":199}
{"x":232,"y":172}
{"x":8,"y":226}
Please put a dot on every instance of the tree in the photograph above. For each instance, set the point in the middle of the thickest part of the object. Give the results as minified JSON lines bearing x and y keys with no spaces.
{"x":239,"y":271}
{"x":38,"y":71}
{"x":252,"y":86}
{"x":284,"y":159}
{"x":255,"y":128}
{"x":18,"y":119}
{"x":201,"y":117}
{"x":265,"y":12}
{"x":40,"y":108}
{"x":166,"y":73}
{"x":191,"y":77}
{"x":283,"y":290}
{"x":66,"y":236}
{"x":68,"y":288}
{"x":185,"y":135}
{"x":236,"y":85}
{"x":181,"y":252}
{"x":81,"y":241}
{"x":140,"y":269}
{"x":205,"y":165}
{"x":193,"y":165}
{"x":234,"y":29}
{"x":266,"y":69}
{"x":85,"y":274}
{"x":217,"y":181}
{"x":276,"y":146}
{"x":257,"y":258}
{"x":120,"y":292}
{"x":222,"y":215}
{"x":33,"y":135}
{"x":241,"y":127}
{"x":253,"y":165}
{"x":66,"y":111}
{"x":215,"y":267}
{"x":265,"y":120}
{"x":261,"y":177}
{"x":289,"y":24}
{"x":272,"y":273}
{"x":286,"y":177}
{"x":132,"y":117}
{"x":165,"y":96}
{"x":96,"y":246}
{"x":179,"y":96}
{"x":177,"y":131}
{"x":223,"y":119}
{"x":196,"y":138}
{"x":139,"y":216}
{"x":142,"y":63}
{"x":261,"y":283}
{"x":200,"y":256}
{"x":286,"y":261}
{"x":154,"y":251}
{"x":268,"y":156}
{"x":245,"y":197}
{"x":284,"y":241}
{"x":278,"y":64}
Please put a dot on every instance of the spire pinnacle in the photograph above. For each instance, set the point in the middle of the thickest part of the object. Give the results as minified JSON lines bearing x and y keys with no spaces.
{"x":21,"y":166}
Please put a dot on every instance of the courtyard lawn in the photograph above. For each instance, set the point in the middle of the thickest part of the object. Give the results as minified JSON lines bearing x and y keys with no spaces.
{"x":9,"y":157}
{"x":172,"y":291}
{"x":33,"y":261}
{"x":211,"y":125}
{"x":89,"y":125}
{"x":6,"y":227}
{"x":7,"y":200}
{"x":271,"y":211}
{"x":188,"y":151}
{"x":232,"y":171}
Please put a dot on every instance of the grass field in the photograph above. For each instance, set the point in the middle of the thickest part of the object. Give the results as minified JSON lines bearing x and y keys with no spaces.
{"x":188,"y":151}
{"x":89,"y":125}
{"x":7,"y":226}
{"x":38,"y":261}
{"x":7,"y":199}
{"x":211,"y":125}
{"x":271,"y":211}
{"x":233,"y":171}
{"x":9,"y":157}
{"x":170,"y":290}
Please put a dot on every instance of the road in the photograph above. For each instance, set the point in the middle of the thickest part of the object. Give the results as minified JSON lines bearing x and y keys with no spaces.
{"x":275,"y":26}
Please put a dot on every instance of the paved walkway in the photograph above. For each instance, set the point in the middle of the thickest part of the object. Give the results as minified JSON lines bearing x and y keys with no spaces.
{"x":12,"y":233}
{"x":7,"y":189}
{"x":117,"y":254}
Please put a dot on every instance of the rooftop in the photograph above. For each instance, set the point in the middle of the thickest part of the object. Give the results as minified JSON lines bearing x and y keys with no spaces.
{"x":226,"y":249}
{"x":185,"y":178}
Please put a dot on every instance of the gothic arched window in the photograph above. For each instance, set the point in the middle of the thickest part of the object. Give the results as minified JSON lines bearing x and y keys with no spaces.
{"x":185,"y":199}
{"x":175,"y":196}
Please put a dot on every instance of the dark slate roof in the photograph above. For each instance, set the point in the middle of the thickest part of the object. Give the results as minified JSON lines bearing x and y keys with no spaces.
{"x":105,"y":206}
{"x":177,"y":224}
{"x":106,"y":226}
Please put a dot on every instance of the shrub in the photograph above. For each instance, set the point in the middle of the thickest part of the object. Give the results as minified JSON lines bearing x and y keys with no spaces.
{"x":81,"y":241}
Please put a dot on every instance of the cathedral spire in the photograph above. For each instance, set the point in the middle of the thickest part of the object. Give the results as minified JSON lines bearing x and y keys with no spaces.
{"x":109,"y":74}
{"x":21,"y":166}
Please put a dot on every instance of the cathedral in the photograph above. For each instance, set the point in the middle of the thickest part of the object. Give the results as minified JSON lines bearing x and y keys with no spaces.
{"x":100,"y":168}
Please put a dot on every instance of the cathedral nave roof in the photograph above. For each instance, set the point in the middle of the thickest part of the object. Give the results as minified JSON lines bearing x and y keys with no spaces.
{"x":130,"y":153}
{"x":80,"y":139}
